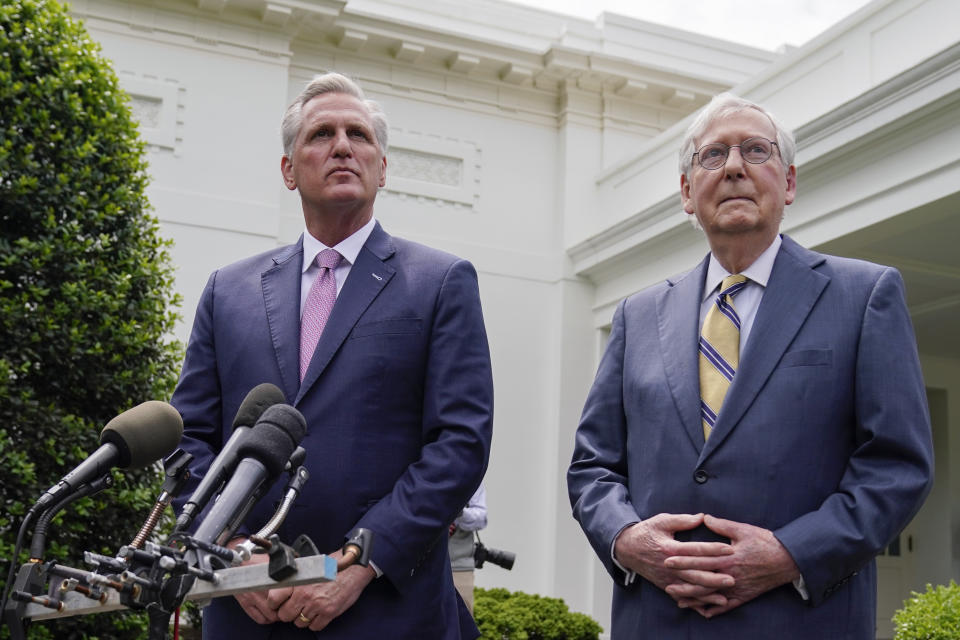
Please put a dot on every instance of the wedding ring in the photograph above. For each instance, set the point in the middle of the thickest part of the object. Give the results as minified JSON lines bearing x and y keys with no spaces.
{"x":304,"y":618}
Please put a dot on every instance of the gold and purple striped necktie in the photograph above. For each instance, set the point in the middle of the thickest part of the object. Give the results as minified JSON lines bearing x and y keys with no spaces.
{"x":719,"y":351}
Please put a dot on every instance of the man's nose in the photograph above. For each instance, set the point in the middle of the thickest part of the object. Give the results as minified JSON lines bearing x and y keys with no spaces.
{"x":733,"y":167}
{"x":341,"y":144}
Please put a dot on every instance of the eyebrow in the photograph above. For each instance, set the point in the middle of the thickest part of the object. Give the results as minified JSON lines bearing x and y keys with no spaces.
{"x":349,"y":124}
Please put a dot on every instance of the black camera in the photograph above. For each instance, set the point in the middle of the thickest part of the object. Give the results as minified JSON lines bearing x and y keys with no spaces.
{"x":500,"y":558}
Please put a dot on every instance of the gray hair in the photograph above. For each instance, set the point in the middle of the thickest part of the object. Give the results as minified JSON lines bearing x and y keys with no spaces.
{"x":722,"y":105}
{"x":331,"y":82}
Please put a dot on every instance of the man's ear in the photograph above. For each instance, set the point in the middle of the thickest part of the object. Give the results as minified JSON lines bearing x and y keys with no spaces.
{"x":383,"y":171}
{"x":286,"y":169}
{"x":791,"y":191}
{"x":685,"y":194}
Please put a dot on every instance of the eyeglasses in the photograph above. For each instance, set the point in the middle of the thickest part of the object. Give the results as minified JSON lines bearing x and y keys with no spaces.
{"x":753,"y":150}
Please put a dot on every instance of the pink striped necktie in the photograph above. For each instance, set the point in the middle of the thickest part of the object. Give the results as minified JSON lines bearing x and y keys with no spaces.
{"x":319,"y":304}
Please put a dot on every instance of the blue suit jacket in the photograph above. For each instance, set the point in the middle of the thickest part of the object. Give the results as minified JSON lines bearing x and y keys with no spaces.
{"x":824,"y":438}
{"x":398,"y":400}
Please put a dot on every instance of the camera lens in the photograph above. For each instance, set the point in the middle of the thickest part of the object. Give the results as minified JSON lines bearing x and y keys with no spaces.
{"x":501,"y":558}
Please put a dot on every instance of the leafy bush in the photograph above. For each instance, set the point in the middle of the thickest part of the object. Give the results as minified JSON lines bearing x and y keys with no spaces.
{"x":86,"y":288}
{"x":502,"y":615}
{"x":932,"y":615}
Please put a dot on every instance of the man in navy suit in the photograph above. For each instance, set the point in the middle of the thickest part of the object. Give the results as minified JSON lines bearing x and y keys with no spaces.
{"x":397,"y":393}
{"x":760,"y":517}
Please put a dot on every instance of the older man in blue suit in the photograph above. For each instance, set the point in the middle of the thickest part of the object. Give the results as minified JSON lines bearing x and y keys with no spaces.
{"x":757,"y":432}
{"x":382,"y":348}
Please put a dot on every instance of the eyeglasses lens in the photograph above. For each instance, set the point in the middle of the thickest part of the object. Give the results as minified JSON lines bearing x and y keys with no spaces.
{"x":753,"y":150}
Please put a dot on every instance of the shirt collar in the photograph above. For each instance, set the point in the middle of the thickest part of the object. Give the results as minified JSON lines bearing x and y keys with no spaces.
{"x":758,"y":272}
{"x":349,"y":247}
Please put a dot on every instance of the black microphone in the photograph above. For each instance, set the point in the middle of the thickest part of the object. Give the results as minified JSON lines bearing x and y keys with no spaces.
{"x":263,"y":453}
{"x":135,"y":438}
{"x":257,"y":400}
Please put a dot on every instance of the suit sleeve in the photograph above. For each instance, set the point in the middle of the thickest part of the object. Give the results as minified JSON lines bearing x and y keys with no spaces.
{"x":197,"y":396}
{"x":597,"y":477}
{"x":891,"y":469}
{"x":457,"y":422}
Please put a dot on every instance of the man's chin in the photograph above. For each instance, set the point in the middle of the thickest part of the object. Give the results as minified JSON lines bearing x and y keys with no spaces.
{"x":345,"y":193}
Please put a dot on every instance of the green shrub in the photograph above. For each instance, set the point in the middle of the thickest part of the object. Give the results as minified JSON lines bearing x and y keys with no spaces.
{"x":932,"y":615}
{"x":502,"y":615}
{"x":86,"y":288}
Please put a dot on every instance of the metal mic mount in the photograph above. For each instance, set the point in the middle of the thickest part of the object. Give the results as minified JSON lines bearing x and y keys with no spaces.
{"x":157,"y":578}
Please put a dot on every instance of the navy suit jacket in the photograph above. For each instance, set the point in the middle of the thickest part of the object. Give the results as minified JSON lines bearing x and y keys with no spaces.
{"x":398,"y":400}
{"x":823,"y":438}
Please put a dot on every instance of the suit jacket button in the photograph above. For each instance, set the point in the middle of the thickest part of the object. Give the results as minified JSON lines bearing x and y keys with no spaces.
{"x":700,"y":476}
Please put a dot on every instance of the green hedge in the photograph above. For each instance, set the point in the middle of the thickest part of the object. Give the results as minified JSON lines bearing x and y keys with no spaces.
{"x":86,"y":289}
{"x":932,"y":615}
{"x":502,"y":615}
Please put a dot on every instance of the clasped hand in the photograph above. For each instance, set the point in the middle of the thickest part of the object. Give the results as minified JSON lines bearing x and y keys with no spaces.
{"x":311,"y":606}
{"x":708,"y":577}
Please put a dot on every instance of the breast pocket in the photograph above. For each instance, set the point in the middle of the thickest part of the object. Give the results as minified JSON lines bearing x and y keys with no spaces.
{"x":387,"y":327}
{"x":808,"y":358}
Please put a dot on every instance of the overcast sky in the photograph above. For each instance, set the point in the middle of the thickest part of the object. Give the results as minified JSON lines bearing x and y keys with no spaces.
{"x":760,"y":23}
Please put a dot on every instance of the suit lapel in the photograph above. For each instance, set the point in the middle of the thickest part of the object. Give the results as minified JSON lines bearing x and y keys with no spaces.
{"x":281,"y":296}
{"x":791,"y":293}
{"x":678,"y":311}
{"x":367,"y":278}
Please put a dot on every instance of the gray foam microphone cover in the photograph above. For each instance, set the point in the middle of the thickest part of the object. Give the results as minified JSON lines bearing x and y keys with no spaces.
{"x":274,"y":438}
{"x":144,"y":434}
{"x":259,"y":399}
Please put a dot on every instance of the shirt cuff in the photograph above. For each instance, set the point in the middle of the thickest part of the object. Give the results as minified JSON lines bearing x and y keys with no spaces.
{"x":629,"y":575}
{"x":801,"y":588}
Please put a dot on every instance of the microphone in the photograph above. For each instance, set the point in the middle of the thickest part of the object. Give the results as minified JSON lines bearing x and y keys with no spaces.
{"x":257,"y":400}
{"x":263,"y":453}
{"x":135,"y":438}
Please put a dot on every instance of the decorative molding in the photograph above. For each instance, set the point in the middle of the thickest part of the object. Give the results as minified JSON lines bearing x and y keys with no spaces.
{"x":156,"y":106}
{"x":681,"y":99}
{"x":923,"y":96}
{"x":428,"y":167}
{"x":515,"y":74}
{"x":513,"y":51}
{"x":352,"y":40}
{"x":631,"y":88}
{"x":209,"y":25}
{"x":276,"y":14}
{"x":462,"y":63}
{"x":900,"y":89}
{"x":408,"y":52}
{"x":610,"y":246}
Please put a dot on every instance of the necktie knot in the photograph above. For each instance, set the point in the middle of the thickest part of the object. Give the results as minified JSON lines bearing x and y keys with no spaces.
{"x":328,"y":258}
{"x":732,"y":285}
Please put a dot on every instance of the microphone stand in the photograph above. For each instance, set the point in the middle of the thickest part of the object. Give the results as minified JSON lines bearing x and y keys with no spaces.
{"x":157,"y":579}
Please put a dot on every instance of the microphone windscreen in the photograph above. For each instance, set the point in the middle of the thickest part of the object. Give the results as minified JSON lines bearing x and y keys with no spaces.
{"x":144,"y":434}
{"x":259,"y":399}
{"x":274,"y":438}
